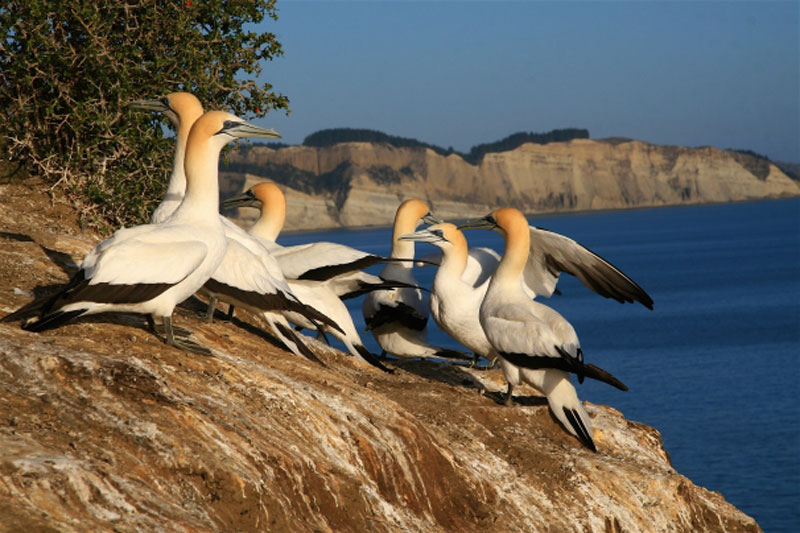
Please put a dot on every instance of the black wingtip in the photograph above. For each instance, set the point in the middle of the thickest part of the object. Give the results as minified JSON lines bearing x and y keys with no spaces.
{"x":452,"y":354}
{"x":582,"y":432}
{"x":372,"y":359}
{"x":595,"y":372}
{"x":52,"y":320}
{"x":301,"y":346}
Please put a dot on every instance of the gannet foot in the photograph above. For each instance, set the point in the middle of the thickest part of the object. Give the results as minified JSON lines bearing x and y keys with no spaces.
{"x":158,"y":329}
{"x":212,"y":306}
{"x":182,"y":343}
{"x":191,"y":346}
{"x":509,"y":400}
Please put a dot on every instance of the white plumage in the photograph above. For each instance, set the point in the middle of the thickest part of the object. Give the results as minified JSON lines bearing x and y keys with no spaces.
{"x":398,"y":317}
{"x":318,"y":274}
{"x":149,"y":269}
{"x":534,"y":343}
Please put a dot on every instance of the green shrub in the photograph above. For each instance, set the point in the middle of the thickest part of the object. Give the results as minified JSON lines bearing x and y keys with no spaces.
{"x":69,"y":69}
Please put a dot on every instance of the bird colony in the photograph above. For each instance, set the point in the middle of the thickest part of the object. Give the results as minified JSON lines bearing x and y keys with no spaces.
{"x":485,"y":301}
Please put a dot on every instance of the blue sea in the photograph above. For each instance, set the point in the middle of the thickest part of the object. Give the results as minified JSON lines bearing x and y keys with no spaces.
{"x":715,"y":367}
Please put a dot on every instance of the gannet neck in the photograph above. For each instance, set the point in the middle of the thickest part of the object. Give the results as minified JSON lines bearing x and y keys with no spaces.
{"x":201,"y":165}
{"x":514,"y":227}
{"x":273,"y":211}
{"x":454,"y":254}
{"x":406,"y":221}
{"x":185,"y":110}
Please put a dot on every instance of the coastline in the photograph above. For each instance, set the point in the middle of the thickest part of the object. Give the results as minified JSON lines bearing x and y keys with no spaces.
{"x":550,"y":213}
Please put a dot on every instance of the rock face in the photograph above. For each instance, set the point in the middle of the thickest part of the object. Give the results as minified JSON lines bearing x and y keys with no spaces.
{"x":104,"y":428}
{"x":357,"y":184}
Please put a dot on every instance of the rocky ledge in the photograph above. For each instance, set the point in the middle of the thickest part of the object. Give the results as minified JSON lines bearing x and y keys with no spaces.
{"x":104,"y":428}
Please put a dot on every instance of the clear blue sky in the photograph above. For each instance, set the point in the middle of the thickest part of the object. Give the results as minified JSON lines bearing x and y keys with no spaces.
{"x":459,"y":73}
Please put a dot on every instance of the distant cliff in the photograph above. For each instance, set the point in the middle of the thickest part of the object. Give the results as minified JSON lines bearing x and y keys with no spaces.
{"x":358,"y":184}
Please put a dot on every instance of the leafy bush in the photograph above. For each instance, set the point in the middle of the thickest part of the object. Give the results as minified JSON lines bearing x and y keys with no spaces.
{"x":515,"y":140}
{"x":69,"y":69}
{"x":333,"y":136}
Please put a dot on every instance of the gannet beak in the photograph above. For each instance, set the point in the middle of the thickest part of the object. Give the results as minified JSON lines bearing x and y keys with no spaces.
{"x":247,"y":199}
{"x":487,"y":222}
{"x":423,"y":235}
{"x":431,"y":219}
{"x":154,"y":104}
{"x":245,"y":129}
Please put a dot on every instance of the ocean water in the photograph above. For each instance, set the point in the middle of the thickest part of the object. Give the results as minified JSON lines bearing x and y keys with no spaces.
{"x":715,"y":367}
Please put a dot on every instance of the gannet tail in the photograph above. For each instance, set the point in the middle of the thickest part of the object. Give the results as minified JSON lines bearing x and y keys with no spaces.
{"x":595,"y":372}
{"x":53,"y":320}
{"x":292,"y":340}
{"x":371,"y":358}
{"x":569,"y":410}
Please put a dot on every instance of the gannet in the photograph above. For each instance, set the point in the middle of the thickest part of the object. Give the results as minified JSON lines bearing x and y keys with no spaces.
{"x":534,"y":343}
{"x":398,"y":317}
{"x":318,"y":294}
{"x":150,"y":268}
{"x":182,"y":109}
{"x":341,"y":266}
{"x":459,"y":285}
{"x":248,"y":275}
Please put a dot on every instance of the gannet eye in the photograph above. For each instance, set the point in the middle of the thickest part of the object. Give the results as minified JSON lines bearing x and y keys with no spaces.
{"x":439,"y":233}
{"x":165,"y":101}
{"x":491,"y":220}
{"x":228,"y":124}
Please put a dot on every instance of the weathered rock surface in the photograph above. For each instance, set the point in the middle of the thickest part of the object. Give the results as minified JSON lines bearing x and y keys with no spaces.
{"x":104,"y":428}
{"x":358,"y":184}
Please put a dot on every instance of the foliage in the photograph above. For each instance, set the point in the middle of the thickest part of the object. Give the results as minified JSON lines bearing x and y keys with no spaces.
{"x":344,"y":135}
{"x":515,"y":140}
{"x":332,"y":136}
{"x":69,"y":69}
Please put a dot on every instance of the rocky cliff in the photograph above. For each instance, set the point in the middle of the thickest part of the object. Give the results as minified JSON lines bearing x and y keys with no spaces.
{"x":104,"y":428}
{"x":357,"y":184}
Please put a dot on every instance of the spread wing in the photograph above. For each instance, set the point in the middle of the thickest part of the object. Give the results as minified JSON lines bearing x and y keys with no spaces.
{"x":551,"y":253}
{"x":322,"y":260}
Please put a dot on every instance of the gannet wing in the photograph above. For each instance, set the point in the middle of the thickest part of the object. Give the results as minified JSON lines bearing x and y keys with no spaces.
{"x":481,"y":264}
{"x":526,"y":341}
{"x":322,"y":260}
{"x":144,"y":261}
{"x":551,"y":253}
{"x":398,"y":313}
{"x":404,"y":306}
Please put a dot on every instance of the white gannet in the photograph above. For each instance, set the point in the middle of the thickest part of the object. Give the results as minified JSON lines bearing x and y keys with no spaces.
{"x":182,"y":109}
{"x":534,"y":343}
{"x":398,"y":317}
{"x":341,"y":266}
{"x":459,"y":285}
{"x":248,"y":275}
{"x":149,"y":269}
{"x":319,"y":295}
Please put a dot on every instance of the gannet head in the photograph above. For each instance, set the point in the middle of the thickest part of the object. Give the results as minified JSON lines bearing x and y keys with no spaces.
{"x":504,"y":221}
{"x":411,"y":212}
{"x":221,"y":127}
{"x":264,"y":195}
{"x":179,"y":108}
{"x":442,"y":235}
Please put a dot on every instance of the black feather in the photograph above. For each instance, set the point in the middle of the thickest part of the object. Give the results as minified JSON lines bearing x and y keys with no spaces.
{"x":575,"y":421}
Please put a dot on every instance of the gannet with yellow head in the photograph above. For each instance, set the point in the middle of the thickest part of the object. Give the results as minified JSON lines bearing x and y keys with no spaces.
{"x":340,"y":265}
{"x":151,"y":268}
{"x":182,"y":109}
{"x":398,"y":317}
{"x":533,"y":342}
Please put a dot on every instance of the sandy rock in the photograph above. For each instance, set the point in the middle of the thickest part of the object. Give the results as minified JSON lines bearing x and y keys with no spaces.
{"x":362,"y":183}
{"x":104,"y":428}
